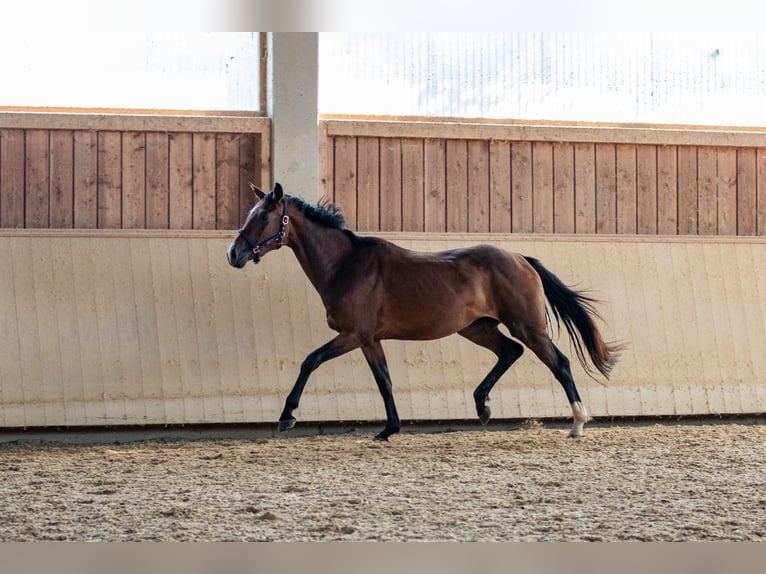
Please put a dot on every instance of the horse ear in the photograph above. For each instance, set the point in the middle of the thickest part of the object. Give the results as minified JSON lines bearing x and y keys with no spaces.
{"x":257,"y":191}
{"x":277,"y":193}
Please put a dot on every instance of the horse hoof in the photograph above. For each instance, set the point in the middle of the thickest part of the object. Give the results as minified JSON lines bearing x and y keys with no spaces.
{"x":485,"y":415}
{"x":574,"y":435}
{"x":380,"y":438}
{"x":286,"y":424}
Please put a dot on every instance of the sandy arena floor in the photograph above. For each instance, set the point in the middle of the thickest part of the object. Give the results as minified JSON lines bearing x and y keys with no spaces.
{"x":656,"y":482}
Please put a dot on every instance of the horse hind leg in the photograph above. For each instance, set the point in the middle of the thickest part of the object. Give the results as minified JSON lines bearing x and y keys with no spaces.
{"x":484,"y":332}
{"x":558,"y":363}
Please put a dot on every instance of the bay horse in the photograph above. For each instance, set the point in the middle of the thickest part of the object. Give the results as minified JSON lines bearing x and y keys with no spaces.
{"x":373,"y":290}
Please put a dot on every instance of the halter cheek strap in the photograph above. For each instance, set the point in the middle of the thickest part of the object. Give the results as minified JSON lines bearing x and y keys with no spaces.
{"x":277,"y":238}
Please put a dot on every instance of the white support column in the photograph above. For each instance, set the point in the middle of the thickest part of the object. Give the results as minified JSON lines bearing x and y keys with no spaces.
{"x":292,"y":105}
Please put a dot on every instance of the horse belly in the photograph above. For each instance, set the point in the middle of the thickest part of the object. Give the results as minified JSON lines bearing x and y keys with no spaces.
{"x":422,"y":323}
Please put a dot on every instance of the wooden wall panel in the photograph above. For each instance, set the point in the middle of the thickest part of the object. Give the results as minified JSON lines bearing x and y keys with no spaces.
{"x":227,"y":212}
{"x":761,"y":190}
{"x":707,"y":182}
{"x":204,"y":181}
{"x":345,"y":170}
{"x":688,"y":191}
{"x":542,"y":187}
{"x":727,"y":191}
{"x":646,"y":191}
{"x":413,"y":200}
{"x":747,"y":207}
{"x":478,"y":186}
{"x":37,"y":179}
{"x":157,"y":182}
{"x":368,"y":170}
{"x":85,"y":179}
{"x":251,"y":154}
{"x":61,"y":179}
{"x":625,"y":160}
{"x":606,"y":189}
{"x":434,"y":182}
{"x":125,"y":343}
{"x":585,"y":188}
{"x":667,"y":190}
{"x":500,"y":186}
{"x":391,"y":184}
{"x":522,"y":210}
{"x":621,"y":181}
{"x":109,"y":198}
{"x":457,"y":185}
{"x":181,"y":178}
{"x":88,"y":177}
{"x":12,"y":168}
{"x":134,"y":180}
{"x":563,"y":188}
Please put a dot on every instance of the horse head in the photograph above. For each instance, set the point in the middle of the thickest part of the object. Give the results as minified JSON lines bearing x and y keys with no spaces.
{"x":264,"y":228}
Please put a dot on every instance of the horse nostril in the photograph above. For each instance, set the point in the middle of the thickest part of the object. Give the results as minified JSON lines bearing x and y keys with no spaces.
{"x":231,"y":256}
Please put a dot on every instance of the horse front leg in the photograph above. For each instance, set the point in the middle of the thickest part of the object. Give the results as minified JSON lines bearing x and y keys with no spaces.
{"x":341,"y":344}
{"x":376,"y":359}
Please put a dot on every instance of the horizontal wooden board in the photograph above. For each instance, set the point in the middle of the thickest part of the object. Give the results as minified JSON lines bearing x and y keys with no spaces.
{"x":100,"y":328}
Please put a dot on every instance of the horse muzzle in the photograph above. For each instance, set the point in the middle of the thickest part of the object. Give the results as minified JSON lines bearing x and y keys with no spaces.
{"x":235,"y":258}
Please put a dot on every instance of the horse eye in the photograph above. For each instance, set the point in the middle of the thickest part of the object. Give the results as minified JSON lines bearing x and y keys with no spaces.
{"x":264,"y":215}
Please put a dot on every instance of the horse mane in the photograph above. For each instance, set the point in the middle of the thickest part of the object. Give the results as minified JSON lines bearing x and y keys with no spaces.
{"x":325,"y":213}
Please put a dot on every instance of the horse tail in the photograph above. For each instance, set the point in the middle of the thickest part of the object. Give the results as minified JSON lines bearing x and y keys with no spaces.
{"x":576,"y":310}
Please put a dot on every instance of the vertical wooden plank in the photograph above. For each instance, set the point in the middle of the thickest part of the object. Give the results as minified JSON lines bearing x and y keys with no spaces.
{"x":85,"y":179}
{"x":390,"y":184}
{"x":412,"y":185}
{"x":157,"y":182}
{"x":180,"y":178}
{"x":606,"y":188}
{"x":542,"y":187}
{"x":345,"y":178}
{"x":522,"y":216}
{"x":646,"y":192}
{"x":263,"y":159}
{"x":626,"y":189}
{"x":563,"y":188}
{"x":37,"y":203}
{"x":134,"y":180}
{"x":707,"y":200}
{"x":325,"y":177}
{"x":434,"y":174}
{"x":585,"y":187}
{"x":248,"y":149}
{"x":500,"y":186}
{"x":478,"y":186}
{"x":761,"y":190}
{"x":727,"y":191}
{"x":667,"y":190}
{"x":687,"y":190}
{"x":203,"y":184}
{"x":12,"y":155}
{"x":457,"y":185}
{"x":227,"y":181}
{"x":368,"y":184}
{"x":747,"y":207}
{"x":62,"y":179}
{"x":109,"y":180}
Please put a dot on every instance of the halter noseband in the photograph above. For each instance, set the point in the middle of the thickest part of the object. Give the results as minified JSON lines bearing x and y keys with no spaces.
{"x":277,"y":238}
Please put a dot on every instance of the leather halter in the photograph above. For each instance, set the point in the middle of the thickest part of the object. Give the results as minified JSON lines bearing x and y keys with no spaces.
{"x":277,"y":238}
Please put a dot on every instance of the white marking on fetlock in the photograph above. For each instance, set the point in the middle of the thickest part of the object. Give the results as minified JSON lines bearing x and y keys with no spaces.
{"x":580,"y":416}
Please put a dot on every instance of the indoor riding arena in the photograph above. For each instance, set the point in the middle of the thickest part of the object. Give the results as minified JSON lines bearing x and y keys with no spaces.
{"x":142,"y":376}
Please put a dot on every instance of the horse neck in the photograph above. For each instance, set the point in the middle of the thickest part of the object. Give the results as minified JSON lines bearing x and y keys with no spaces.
{"x":320,"y":250}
